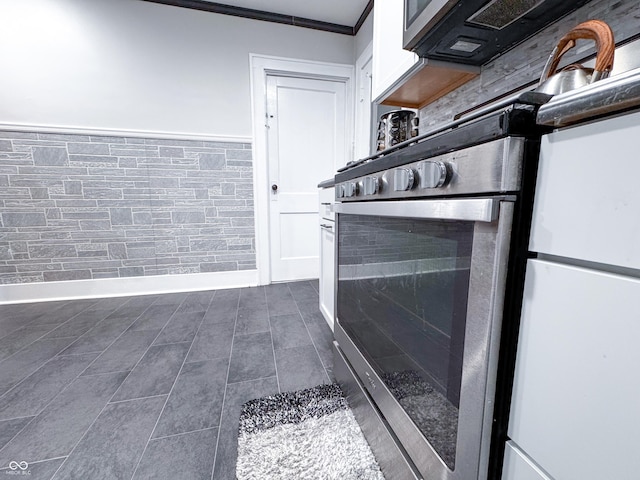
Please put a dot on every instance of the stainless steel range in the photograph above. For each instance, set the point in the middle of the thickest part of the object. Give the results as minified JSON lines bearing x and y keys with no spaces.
{"x":431,"y":251}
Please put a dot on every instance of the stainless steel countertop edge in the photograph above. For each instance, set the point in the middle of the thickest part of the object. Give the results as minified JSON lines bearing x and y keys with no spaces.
{"x":604,"y":97}
{"x":330,"y":182}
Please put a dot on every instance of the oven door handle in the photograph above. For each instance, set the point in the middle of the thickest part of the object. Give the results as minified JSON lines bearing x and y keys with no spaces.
{"x":469,"y":209}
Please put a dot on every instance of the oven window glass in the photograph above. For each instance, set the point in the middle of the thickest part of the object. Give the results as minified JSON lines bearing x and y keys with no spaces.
{"x":402,"y":298}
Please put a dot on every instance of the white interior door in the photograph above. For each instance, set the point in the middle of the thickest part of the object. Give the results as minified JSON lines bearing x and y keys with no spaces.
{"x":306,"y":143}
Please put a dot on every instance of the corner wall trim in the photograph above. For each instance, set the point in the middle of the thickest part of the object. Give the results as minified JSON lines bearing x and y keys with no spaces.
{"x":125,"y":287}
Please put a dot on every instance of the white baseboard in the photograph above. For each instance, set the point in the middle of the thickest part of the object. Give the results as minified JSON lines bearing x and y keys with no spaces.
{"x":125,"y":287}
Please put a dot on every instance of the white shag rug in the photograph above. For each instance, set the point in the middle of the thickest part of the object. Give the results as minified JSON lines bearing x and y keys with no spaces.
{"x":308,"y":434}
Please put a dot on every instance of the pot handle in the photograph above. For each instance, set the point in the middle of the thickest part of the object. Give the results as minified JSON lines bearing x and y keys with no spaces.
{"x":596,"y":30}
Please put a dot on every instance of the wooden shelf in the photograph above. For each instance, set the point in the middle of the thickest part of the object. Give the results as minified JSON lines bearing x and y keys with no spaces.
{"x":425,"y":82}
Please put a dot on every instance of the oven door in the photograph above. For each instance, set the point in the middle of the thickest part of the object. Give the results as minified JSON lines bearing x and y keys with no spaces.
{"x":419,"y":311}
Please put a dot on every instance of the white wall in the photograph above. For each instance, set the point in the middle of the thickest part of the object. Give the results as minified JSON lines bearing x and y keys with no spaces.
{"x":140,"y":66}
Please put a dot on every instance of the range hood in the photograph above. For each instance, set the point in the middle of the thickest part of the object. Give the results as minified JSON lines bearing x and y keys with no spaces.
{"x":473,"y":32}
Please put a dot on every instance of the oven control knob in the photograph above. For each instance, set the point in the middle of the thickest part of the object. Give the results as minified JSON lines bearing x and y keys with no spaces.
{"x":371,"y":185}
{"x":350,"y":189}
{"x":433,"y":174}
{"x":403,"y":179}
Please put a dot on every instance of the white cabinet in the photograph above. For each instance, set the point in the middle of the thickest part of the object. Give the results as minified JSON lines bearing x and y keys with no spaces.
{"x":587,"y":203}
{"x":576,"y":398}
{"x":390,"y":61}
{"x":517,"y":466}
{"x":327,"y":255}
{"x":400,"y":77}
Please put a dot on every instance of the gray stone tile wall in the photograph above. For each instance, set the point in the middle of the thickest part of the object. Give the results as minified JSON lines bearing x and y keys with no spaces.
{"x":84,"y":207}
{"x":525,"y":62}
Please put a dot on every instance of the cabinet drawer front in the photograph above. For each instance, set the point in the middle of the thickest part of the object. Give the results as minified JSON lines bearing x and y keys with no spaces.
{"x":327,"y":200}
{"x":576,"y":397}
{"x":517,"y":466}
{"x":587,"y":200}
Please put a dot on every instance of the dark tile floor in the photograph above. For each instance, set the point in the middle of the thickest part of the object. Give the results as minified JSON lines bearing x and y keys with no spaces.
{"x":150,"y":386}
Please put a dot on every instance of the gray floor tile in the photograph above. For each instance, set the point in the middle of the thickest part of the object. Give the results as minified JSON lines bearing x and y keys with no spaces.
{"x":237,"y":394}
{"x":306,"y":307}
{"x":302,"y":291}
{"x":132,"y":311}
{"x":99,"y":337}
{"x":279,"y":300}
{"x":20,"y":338}
{"x":213,"y":340}
{"x":37,"y":471}
{"x":252,"y":298}
{"x":60,"y":426}
{"x":34,"y":393}
{"x":155,"y":373}
{"x":19,"y":311}
{"x":10,"y":428}
{"x":251,"y":357}
{"x":195,"y":402}
{"x":124,"y":353}
{"x":171,"y":299}
{"x":321,"y":335}
{"x":181,"y":328}
{"x":62,"y":313}
{"x":196,"y":302}
{"x":10,"y":323}
{"x":190,"y":455}
{"x":315,"y":283}
{"x":87,"y":319}
{"x":299,"y":368}
{"x":114,"y":444}
{"x":155,"y":317}
{"x":252,"y":320}
{"x":79,"y":324}
{"x":28,"y":360}
{"x":200,"y":400}
{"x":143,"y":300}
{"x":110,"y":303}
{"x":223,"y":307}
{"x":289,"y":331}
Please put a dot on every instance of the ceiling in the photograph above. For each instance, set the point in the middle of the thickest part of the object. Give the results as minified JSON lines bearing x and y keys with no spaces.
{"x":341,"y":16}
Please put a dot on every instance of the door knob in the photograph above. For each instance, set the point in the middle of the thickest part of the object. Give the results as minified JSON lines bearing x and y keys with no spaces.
{"x":274,"y":187}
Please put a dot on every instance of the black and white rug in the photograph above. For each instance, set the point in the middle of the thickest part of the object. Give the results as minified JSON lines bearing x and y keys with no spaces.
{"x":308,"y":434}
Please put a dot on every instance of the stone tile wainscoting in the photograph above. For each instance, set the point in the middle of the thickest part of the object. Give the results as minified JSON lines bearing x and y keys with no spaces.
{"x":79,"y":207}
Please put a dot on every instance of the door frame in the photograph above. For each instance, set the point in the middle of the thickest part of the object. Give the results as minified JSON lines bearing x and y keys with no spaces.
{"x":260,"y":67}
{"x":363,"y":115}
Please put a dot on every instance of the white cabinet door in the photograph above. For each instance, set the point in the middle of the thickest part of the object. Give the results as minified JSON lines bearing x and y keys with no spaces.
{"x":327,"y":254}
{"x":517,"y":466}
{"x":587,"y":203}
{"x":576,"y":398}
{"x":390,"y":61}
{"x":327,"y":272}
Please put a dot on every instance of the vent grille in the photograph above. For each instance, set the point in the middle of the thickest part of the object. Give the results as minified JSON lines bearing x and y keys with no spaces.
{"x":500,"y":13}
